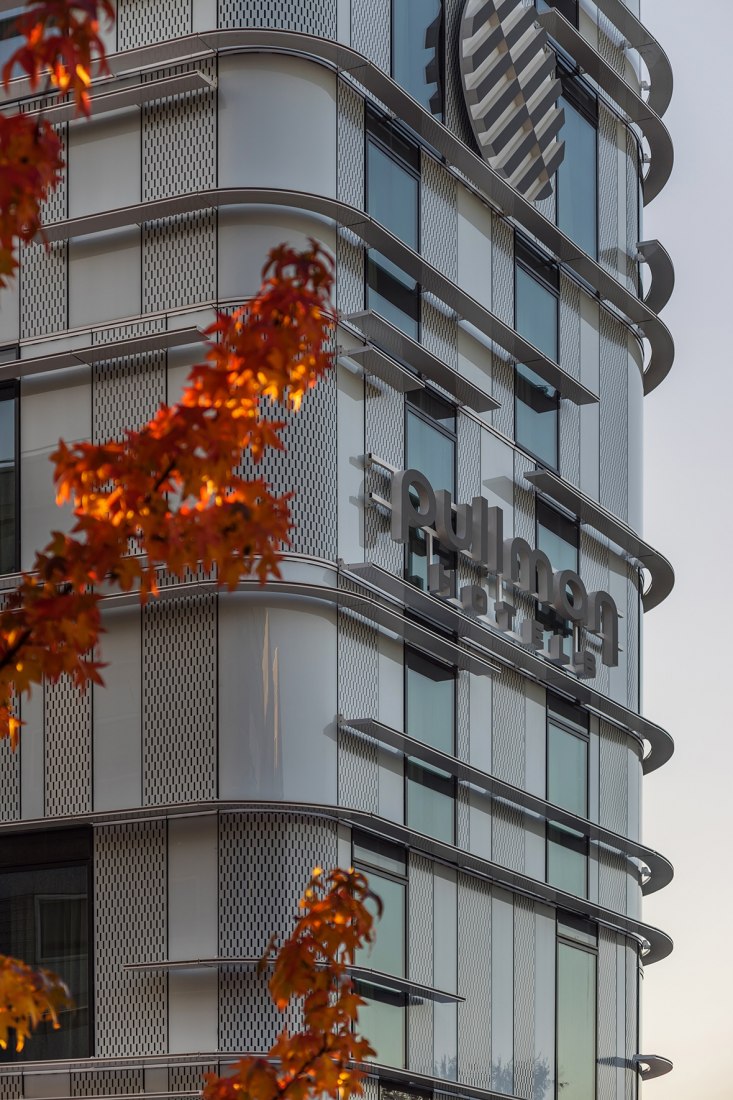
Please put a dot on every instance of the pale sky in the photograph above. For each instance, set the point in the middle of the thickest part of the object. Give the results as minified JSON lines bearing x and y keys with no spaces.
{"x":688,"y":1010}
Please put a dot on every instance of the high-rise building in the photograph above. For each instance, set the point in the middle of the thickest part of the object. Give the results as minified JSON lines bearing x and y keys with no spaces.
{"x":445,"y":687}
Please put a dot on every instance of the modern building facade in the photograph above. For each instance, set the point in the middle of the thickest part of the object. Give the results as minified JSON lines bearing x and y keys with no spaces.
{"x":445,"y":687}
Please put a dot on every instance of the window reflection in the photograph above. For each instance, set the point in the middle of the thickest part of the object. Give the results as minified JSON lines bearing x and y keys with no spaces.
{"x":417,"y":46}
{"x":382,"y":1022}
{"x":430,"y":447}
{"x":430,"y":717}
{"x":576,"y":1022}
{"x":536,"y":403}
{"x":8,"y":480}
{"x":558,"y":536}
{"x":577,"y":176}
{"x":567,"y":787}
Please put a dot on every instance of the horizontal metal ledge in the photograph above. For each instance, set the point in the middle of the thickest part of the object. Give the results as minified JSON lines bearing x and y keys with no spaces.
{"x":98,"y":353}
{"x":389,"y":338}
{"x":347,"y":62}
{"x":373,"y":362}
{"x":661,"y":870}
{"x":650,"y":1066}
{"x":369,"y":231}
{"x":593,"y":515}
{"x":659,"y":943}
{"x":636,"y":109}
{"x":641,"y":39}
{"x":655,"y":255}
{"x":133,"y":96}
{"x":498,"y":647}
{"x":413,"y":991}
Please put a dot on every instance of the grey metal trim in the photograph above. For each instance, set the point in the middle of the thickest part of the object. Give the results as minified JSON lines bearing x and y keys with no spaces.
{"x":413,"y":990}
{"x":369,"y":231}
{"x":133,"y":96}
{"x":373,"y":361}
{"x":642,"y":40}
{"x":498,"y":647}
{"x":655,"y":943}
{"x":593,"y":515}
{"x":389,"y":338}
{"x":97,"y":353}
{"x":456,"y":155}
{"x":638,"y":110}
{"x":661,"y":268}
{"x":650,"y":1066}
{"x":661,"y":871}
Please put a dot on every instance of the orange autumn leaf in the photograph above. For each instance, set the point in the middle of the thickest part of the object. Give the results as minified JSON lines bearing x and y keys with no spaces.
{"x":27,"y":998}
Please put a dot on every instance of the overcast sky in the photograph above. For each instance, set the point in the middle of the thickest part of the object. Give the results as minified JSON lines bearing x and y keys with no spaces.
{"x":688,"y":1010}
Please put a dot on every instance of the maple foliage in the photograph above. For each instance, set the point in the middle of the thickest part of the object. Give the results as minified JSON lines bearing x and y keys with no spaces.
{"x":171,"y":492}
{"x":28,"y":997}
{"x":61,"y":43}
{"x":323,"y":1058}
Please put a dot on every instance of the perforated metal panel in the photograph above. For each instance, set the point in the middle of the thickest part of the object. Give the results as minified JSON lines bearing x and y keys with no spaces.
{"x":524,"y":527}
{"x":614,"y":783}
{"x":524,"y":982}
{"x":126,"y":391}
{"x":265,"y":861}
{"x":456,"y":116}
{"x":502,"y":298}
{"x":307,"y":466}
{"x":179,"y":138}
{"x":570,"y":361}
{"x":632,"y":1022}
{"x":612,"y":874}
{"x":632,"y":638}
{"x":11,"y":1086}
{"x":438,"y":216}
{"x":632,"y":211}
{"x":610,"y":43}
{"x":107,"y":1082}
{"x":384,"y":436}
{"x":420,"y":955}
{"x":607,"y":1048}
{"x":179,"y":261}
{"x":350,"y":189}
{"x":463,"y":751}
{"x":474,"y":982}
{"x":594,"y":571}
{"x":43,"y":289}
{"x":67,"y":753}
{"x":371,"y":22}
{"x":9,"y":783}
{"x":508,"y":764}
{"x":179,"y":700}
{"x":130,"y":914}
{"x":186,"y":1081}
{"x":310,"y":16}
{"x":140,"y":22}
{"x":358,"y":688}
{"x":608,"y":235}
{"x":614,"y":417}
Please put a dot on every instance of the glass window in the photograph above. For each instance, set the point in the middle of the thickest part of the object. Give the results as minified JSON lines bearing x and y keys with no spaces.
{"x":417,"y":48}
{"x":10,"y":39}
{"x":393,"y":199}
{"x":382,"y":1023}
{"x":430,"y":446}
{"x":44,"y":920}
{"x":536,"y":402}
{"x":430,"y":717}
{"x":568,"y":8}
{"x":8,"y":479}
{"x":430,"y":800}
{"x":387,"y":953}
{"x":567,"y":787}
{"x":576,"y":1022}
{"x":577,"y":176}
{"x":558,"y":536}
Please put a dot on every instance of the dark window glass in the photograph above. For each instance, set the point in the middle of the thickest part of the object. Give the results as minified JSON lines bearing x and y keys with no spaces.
{"x":392,"y":198}
{"x":8,"y":479}
{"x":430,"y":692}
{"x":568,"y":8}
{"x":430,"y":801}
{"x":537,"y":403}
{"x":576,"y":1023}
{"x":10,"y":39}
{"x":417,"y":47}
{"x":430,"y":446}
{"x":567,"y":787}
{"x":44,"y":920}
{"x":559,"y":538}
{"x":376,"y":852}
{"x":577,"y":179}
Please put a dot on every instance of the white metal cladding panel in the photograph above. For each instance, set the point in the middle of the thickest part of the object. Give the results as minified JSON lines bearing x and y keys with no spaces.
{"x":67,"y":748}
{"x":371,"y":22}
{"x":594,"y":571}
{"x":614,"y":426}
{"x":439,"y":335}
{"x":350,"y":189}
{"x":179,"y":700}
{"x":614,"y":781}
{"x":420,"y":947}
{"x":307,"y":466}
{"x":548,"y":206}
{"x":632,"y":210}
{"x":186,"y":1081}
{"x":608,"y":242}
{"x":9,"y":786}
{"x":179,"y":261}
{"x":502,"y":269}
{"x":140,"y":22}
{"x":11,"y":1086}
{"x":474,"y":982}
{"x":607,"y":1047}
{"x":179,"y":138}
{"x":130,"y":913}
{"x":265,"y":862}
{"x":611,"y":44}
{"x":438,"y":216}
{"x":456,"y":116}
{"x":358,"y":688}
{"x":632,"y":638}
{"x":107,"y":1082}
{"x":524,"y":964}
{"x":385,"y":436}
{"x":632,"y":1022}
{"x":44,"y":279}
{"x":126,"y":391}
{"x":508,"y":764}
{"x":612,"y":874}
{"x":463,"y":752}
{"x":468,"y":471}
{"x":570,"y":361}
{"x":524,"y":527}
{"x":309,"y":16}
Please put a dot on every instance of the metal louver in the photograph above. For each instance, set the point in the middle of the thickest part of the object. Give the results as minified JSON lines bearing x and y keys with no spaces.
{"x":511,"y":92}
